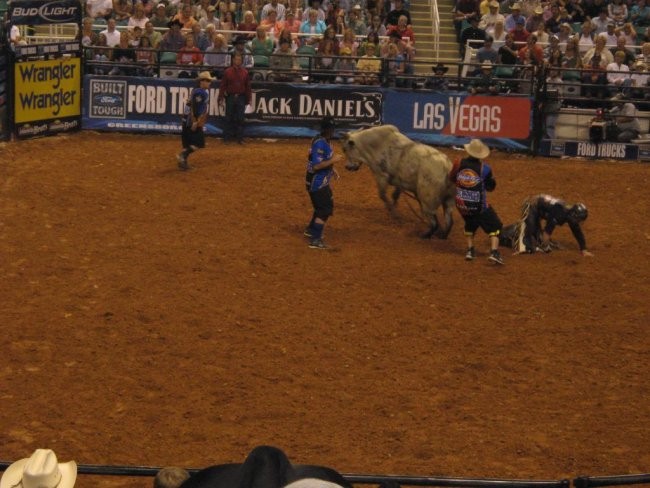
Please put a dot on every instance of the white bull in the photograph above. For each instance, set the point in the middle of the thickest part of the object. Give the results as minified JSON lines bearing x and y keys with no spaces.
{"x":409,"y":166}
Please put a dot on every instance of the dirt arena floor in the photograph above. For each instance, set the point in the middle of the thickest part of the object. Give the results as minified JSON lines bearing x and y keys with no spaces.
{"x":153,"y":317}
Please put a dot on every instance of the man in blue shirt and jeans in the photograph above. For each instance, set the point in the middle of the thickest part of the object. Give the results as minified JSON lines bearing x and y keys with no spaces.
{"x":320,"y":170}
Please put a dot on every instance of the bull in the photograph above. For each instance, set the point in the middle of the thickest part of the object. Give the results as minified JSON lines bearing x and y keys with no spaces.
{"x":407,"y":166}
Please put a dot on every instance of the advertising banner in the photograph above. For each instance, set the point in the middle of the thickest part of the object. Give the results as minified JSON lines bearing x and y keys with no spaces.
{"x":450,"y":118}
{"x":286,"y":110}
{"x":37,"y":12}
{"x":47,"y":96}
{"x":590,"y":150}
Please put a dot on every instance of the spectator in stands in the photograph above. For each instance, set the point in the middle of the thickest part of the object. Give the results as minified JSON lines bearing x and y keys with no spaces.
{"x":640,"y":80}
{"x":101,"y":57}
{"x":111,"y":33}
{"x":227,"y":25}
{"x":345,"y":67}
{"x":371,"y":38}
{"x":87,"y":36}
{"x":356,"y":22}
{"x":594,"y":79}
{"x":618,"y":75}
{"x":600,"y":22}
{"x":514,"y":17}
{"x":252,"y":6}
{"x":541,"y":34}
{"x":553,"y":53}
{"x":601,"y":50}
{"x":640,"y":14}
{"x":630,"y":56}
{"x":224,"y":6}
{"x":279,"y":8}
{"x":472,"y":33}
{"x":324,"y":62}
{"x":100,"y":10}
{"x":489,"y":20}
{"x":464,"y":11}
{"x":217,"y":56}
{"x":200,"y":9}
{"x":202,"y":40}
{"x":535,"y":19}
{"x":519,"y":33}
{"x":333,"y":8}
{"x":248,"y":24}
{"x":210,"y":18}
{"x":239,"y":46}
{"x":173,"y":40}
{"x":313,"y":27}
{"x":553,"y":102}
{"x":617,"y":11}
{"x":396,"y":67}
{"x":261,"y":47}
{"x":508,"y":53}
{"x":152,"y":34}
{"x":135,"y":36}
{"x":393,"y":16}
{"x":122,"y":10}
{"x":138,"y":18}
{"x":585,"y":37}
{"x":484,"y":83}
{"x":314,"y":5}
{"x":189,"y":55}
{"x":571,"y":64}
{"x":565,"y":35}
{"x":330,"y":35}
{"x":159,"y":18}
{"x":271,"y":24}
{"x":185,"y":17}
{"x":170,"y":477}
{"x":438,"y":81}
{"x":626,"y":119}
{"x":341,"y":24}
{"x":406,"y":32}
{"x":283,"y":63}
{"x":349,"y":40}
{"x":487,"y":52}
{"x":42,"y":469}
{"x":368,"y":67}
{"x":123,"y":57}
{"x":377,"y":26}
{"x":629,"y":34}
{"x":291,"y":24}
{"x":611,"y":36}
{"x":556,"y":19}
{"x":286,"y":34}
{"x":145,"y":58}
{"x":575,"y":11}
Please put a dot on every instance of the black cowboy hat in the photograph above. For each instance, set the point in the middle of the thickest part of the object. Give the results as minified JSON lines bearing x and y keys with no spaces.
{"x":240,"y":40}
{"x":174,"y":22}
{"x":439,"y":68}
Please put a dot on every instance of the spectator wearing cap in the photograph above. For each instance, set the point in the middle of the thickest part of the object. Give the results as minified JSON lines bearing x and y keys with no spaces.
{"x":489,"y":20}
{"x":484,"y":83}
{"x":640,"y":80}
{"x":159,"y":18}
{"x":42,"y":469}
{"x":514,"y":17}
{"x":611,"y":36}
{"x":519,"y":33}
{"x":356,"y":22}
{"x":465,"y":10}
{"x":438,"y":81}
{"x":600,"y":22}
{"x":210,"y":18}
{"x":173,"y":40}
{"x":240,"y":46}
{"x":393,"y":16}
{"x":536,"y":18}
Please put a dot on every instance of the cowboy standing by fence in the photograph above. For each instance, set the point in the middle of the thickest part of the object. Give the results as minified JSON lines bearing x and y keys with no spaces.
{"x":235,"y":90}
{"x":194,"y":117}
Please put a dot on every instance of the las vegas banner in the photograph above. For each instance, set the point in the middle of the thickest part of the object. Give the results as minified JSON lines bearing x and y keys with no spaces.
{"x":286,"y":110}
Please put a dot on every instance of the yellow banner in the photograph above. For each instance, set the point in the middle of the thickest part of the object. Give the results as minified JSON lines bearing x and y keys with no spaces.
{"x":47,"y":89}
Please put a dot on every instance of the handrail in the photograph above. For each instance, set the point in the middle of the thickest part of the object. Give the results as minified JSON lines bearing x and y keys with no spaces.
{"x":435,"y":28}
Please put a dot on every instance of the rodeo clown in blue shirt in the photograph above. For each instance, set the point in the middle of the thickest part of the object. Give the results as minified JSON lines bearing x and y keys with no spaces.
{"x":320,"y":171}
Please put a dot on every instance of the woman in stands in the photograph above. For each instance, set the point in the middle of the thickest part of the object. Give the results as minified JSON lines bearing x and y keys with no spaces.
{"x":349,"y":40}
{"x":330,"y":35}
{"x":227,"y":24}
{"x":585,"y":37}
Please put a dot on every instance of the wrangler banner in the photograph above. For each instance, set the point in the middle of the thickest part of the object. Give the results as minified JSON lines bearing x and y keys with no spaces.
{"x":287,"y":110}
{"x":47,"y":96}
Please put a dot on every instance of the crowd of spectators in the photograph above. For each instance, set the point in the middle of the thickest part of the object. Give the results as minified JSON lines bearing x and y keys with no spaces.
{"x":280,"y":37}
{"x":592,"y":49}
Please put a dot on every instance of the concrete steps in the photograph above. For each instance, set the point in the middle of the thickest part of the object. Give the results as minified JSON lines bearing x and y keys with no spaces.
{"x":422,"y":22}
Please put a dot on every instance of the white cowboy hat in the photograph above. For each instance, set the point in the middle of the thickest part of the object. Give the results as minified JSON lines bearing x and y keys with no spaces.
{"x":312,"y":483}
{"x":205,"y":75}
{"x":476,"y":149}
{"x":41,"y":470}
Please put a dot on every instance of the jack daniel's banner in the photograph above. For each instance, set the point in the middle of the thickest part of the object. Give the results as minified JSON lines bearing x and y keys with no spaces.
{"x":37,"y":12}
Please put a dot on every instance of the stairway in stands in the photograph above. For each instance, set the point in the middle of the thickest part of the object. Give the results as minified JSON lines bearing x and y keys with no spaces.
{"x":424,"y":39}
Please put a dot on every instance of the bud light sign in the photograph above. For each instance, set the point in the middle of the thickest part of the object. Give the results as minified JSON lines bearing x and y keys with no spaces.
{"x":31,"y":12}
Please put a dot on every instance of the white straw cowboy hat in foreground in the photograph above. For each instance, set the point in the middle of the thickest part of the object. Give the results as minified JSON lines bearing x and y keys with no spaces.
{"x":475,"y":148}
{"x":41,"y":470}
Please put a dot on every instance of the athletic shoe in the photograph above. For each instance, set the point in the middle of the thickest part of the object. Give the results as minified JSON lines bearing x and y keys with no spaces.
{"x":307,"y":232}
{"x":470,"y":254}
{"x":318,"y":244}
{"x":495,"y":257}
{"x":182,"y":162}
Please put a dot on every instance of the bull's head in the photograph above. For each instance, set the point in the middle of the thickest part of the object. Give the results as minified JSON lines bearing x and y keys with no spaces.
{"x":349,"y":148}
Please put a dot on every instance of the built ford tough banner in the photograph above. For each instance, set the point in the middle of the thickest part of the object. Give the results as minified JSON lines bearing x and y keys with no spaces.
{"x":286,"y":110}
